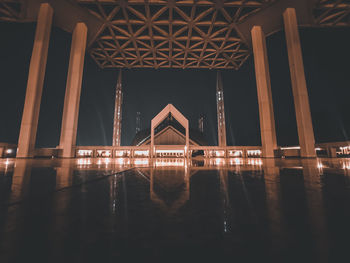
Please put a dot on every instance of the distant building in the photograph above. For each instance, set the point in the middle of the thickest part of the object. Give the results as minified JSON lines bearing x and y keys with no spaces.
{"x":117,"y":124}
{"x":169,"y":132}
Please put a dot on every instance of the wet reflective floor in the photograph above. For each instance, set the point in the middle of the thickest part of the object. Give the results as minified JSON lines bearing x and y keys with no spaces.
{"x":170,"y":210}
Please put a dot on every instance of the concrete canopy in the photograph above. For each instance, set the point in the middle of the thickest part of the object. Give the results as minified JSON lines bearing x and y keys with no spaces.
{"x":176,"y":34}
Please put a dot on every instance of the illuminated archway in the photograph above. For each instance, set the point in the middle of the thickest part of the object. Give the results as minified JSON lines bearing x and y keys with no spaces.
{"x":161,"y":116}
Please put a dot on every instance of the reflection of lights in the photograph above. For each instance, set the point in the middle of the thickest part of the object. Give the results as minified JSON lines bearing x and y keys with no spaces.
{"x":236,"y":161}
{"x":84,"y":162}
{"x":141,"y":162}
{"x":122,"y":161}
{"x":105,"y":161}
{"x":217,"y":161}
{"x":170,"y":162}
{"x":318,"y":149}
{"x":319,"y":165}
{"x":225,"y":226}
{"x":82,"y":153}
{"x":346,"y":166}
{"x":254,"y":162}
{"x":7,"y":163}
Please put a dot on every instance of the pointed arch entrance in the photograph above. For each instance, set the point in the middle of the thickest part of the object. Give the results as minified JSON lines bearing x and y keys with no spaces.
{"x":179,"y":117}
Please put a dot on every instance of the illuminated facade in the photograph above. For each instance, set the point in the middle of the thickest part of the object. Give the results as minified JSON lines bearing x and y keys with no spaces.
{"x":117,"y":124}
{"x":220,"y":111}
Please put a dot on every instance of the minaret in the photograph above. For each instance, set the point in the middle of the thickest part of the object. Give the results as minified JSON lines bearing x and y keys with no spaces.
{"x":201,"y":124}
{"x":220,"y":110}
{"x":138,"y":122}
{"x":117,"y":124}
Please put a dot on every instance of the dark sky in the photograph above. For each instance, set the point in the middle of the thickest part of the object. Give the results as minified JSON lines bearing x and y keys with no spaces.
{"x":326,"y":57}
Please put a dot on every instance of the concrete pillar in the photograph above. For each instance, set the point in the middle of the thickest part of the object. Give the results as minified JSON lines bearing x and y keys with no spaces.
{"x":263,"y":83}
{"x":73,"y":89}
{"x":244,"y":153}
{"x":30,"y":116}
{"x":332,"y":152}
{"x":300,"y":94}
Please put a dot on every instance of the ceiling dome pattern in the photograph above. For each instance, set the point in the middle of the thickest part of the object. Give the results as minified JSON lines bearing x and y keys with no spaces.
{"x":171,"y":34}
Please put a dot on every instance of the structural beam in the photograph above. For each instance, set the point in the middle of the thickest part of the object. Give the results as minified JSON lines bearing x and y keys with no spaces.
{"x":300,"y":94}
{"x":30,"y":116}
{"x":73,"y":90}
{"x":263,"y":83}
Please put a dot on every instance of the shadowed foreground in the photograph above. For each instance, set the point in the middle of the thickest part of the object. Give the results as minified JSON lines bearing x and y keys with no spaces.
{"x":105,"y":210}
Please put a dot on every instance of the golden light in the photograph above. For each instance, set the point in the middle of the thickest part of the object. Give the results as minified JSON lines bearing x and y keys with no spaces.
{"x":104,"y":153}
{"x":236,"y":161}
{"x":139,"y":153}
{"x":346,"y":166}
{"x":234,"y":153}
{"x":169,"y":162}
{"x":291,"y":148}
{"x":254,"y":153}
{"x":217,"y":161}
{"x":87,"y":153}
{"x":84,"y":162}
{"x":141,"y":162}
{"x":255,"y":162}
{"x":170,"y":153}
{"x":345,"y":150}
{"x":122,"y":153}
{"x":9,"y":151}
{"x":320,"y":166}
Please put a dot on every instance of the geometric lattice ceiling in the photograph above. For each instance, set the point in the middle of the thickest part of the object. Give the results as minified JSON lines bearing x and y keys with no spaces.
{"x":9,"y":11}
{"x":332,"y":12}
{"x":170,"y":34}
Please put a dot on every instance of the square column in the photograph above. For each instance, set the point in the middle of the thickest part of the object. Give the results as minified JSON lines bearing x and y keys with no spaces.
{"x":263,"y":83}
{"x":300,"y":94}
{"x":73,"y":90}
{"x":30,"y":116}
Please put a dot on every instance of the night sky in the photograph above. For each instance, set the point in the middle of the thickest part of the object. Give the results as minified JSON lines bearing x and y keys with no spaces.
{"x":326,"y":58}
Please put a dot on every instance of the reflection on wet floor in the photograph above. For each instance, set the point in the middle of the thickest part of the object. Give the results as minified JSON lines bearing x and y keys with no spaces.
{"x":89,"y":210}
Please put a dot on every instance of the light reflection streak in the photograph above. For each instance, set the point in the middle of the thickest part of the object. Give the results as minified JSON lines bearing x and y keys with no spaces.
{"x":257,"y":162}
{"x":169,"y":162}
{"x":346,"y":165}
{"x":84,"y":162}
{"x":141,"y":162}
{"x":236,"y":161}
